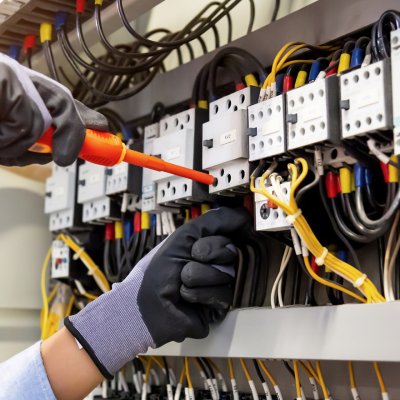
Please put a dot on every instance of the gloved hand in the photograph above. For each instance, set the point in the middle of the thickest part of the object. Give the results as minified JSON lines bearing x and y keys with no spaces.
{"x":173,"y":293}
{"x":30,"y":103}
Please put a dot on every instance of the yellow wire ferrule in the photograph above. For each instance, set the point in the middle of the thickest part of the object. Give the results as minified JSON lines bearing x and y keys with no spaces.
{"x":145,"y":220}
{"x":250,"y":80}
{"x":301,"y":79}
{"x":345,"y":180}
{"x":393,"y":171}
{"x":118,"y":230}
{"x":46,"y":30}
{"x":202,"y":104}
{"x":204,"y":208}
{"x":344,"y":62}
{"x":98,"y":2}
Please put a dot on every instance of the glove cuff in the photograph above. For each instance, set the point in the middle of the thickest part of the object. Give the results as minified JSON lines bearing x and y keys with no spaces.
{"x":74,"y":332}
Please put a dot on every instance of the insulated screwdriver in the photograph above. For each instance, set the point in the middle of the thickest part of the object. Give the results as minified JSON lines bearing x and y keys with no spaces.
{"x":106,"y":149}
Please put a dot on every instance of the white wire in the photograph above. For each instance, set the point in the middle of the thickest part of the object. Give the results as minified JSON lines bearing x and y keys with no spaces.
{"x":285,"y":260}
{"x":387,"y":276}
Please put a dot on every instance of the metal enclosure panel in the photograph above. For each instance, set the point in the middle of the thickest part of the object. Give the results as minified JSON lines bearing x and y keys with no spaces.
{"x":366,"y":99}
{"x":92,"y":182}
{"x":303,"y":333}
{"x":313,"y":113}
{"x":268,"y":120}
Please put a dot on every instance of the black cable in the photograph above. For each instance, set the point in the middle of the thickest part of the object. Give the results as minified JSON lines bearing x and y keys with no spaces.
{"x":208,"y":366}
{"x":289,"y":368}
{"x":252,"y":16}
{"x":381,"y":252}
{"x":29,"y":57}
{"x":48,"y":53}
{"x":258,"y":371}
{"x":276,"y":10}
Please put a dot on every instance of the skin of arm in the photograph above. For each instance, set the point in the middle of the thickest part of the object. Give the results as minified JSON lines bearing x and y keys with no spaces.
{"x":71,"y":372}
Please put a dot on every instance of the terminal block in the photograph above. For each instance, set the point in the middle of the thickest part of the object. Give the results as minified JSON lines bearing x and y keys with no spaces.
{"x":268,"y":216}
{"x":395,"y":59}
{"x":226,"y":143}
{"x":366,"y":101}
{"x":179,"y":142}
{"x":123,"y":177}
{"x":267,"y":128}
{"x":313,"y":113}
{"x":92,"y":194}
{"x":60,"y":197}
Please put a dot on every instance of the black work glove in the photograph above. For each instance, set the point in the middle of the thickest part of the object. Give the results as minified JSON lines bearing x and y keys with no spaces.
{"x":30,"y":103}
{"x":173,"y":293}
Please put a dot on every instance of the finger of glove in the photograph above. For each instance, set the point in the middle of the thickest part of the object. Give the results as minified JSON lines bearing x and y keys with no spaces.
{"x":221,"y":221}
{"x":214,"y":249}
{"x":70,"y":130}
{"x":211,"y":296}
{"x":27,"y":158}
{"x":195,"y":274}
{"x":91,"y":118}
{"x":217,"y":315}
{"x":21,"y":122}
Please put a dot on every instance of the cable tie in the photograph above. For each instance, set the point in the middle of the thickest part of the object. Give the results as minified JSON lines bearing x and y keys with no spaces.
{"x":291,"y":218}
{"x":321,"y":259}
{"x":360,"y":281}
{"x":78,"y":254}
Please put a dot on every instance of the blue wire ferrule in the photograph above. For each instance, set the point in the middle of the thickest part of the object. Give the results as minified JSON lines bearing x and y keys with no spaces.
{"x":279,"y":83}
{"x":60,"y":20}
{"x":342,"y":255}
{"x":128,"y":228}
{"x":14,"y":52}
{"x":357,"y":57}
{"x":314,"y":71}
{"x":359,"y":175}
{"x":153,"y":220}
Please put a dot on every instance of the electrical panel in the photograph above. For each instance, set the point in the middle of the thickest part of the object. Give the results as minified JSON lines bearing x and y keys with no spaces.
{"x":268,"y":216}
{"x":60,"y":197}
{"x":313,"y":113}
{"x":226,"y":143}
{"x":395,"y":60}
{"x":267,"y":123}
{"x":179,"y":142}
{"x":365,"y":99}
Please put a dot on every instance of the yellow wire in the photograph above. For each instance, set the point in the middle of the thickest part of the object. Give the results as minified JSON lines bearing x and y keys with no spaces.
{"x":310,"y":372}
{"x":49,"y":299}
{"x":148,"y":368}
{"x":380,"y":377}
{"x":182,"y":377}
{"x":267,"y":372}
{"x":297,"y":379}
{"x":245,"y":370}
{"x":351,"y":375}
{"x":231,"y":368}
{"x":189,"y":379}
{"x":341,"y":268}
{"x":70,"y":305}
{"x":321,"y":379}
{"x":213,"y":365}
{"x":44,"y":293}
{"x":157,"y":361}
{"x":89,"y":296}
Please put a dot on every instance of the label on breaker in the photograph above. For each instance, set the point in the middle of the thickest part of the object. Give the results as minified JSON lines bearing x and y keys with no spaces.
{"x":59,"y":191}
{"x":228,"y":137}
{"x":119,"y":169}
{"x":173,"y":153}
{"x":310,"y":113}
{"x":94,"y":178}
{"x":369,"y":98}
{"x":268,"y":129}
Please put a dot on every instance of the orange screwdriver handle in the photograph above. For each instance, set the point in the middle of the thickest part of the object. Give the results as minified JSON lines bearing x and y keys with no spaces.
{"x":106,"y":149}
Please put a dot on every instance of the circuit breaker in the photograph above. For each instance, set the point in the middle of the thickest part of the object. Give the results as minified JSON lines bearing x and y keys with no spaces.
{"x":226,"y":143}
{"x":179,"y":142}
{"x":268,"y":216}
{"x":395,"y":60}
{"x":60,"y":197}
{"x":92,"y":194}
{"x":60,"y":260}
{"x":267,"y":123}
{"x":366,"y":101}
{"x":124,"y":177}
{"x":313,"y":113}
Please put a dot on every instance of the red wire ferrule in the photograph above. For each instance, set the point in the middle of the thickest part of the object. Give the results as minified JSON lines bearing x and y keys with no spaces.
{"x":331,"y":185}
{"x":385,"y":171}
{"x":80,"y":6}
{"x":137,"y":222}
{"x":109,"y":233}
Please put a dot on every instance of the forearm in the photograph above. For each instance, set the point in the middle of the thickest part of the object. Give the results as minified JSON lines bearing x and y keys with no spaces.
{"x":71,"y":372}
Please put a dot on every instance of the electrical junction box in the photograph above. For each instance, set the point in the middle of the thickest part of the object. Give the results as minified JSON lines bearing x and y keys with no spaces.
{"x":124,"y":177}
{"x":365,"y":100}
{"x":179,"y":142}
{"x":60,"y":197}
{"x":269,"y":217}
{"x":395,"y":60}
{"x":149,"y":186}
{"x":60,"y":260}
{"x":226,"y":143}
{"x":313,"y":113}
{"x":267,"y":124}
{"x":92,"y":194}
